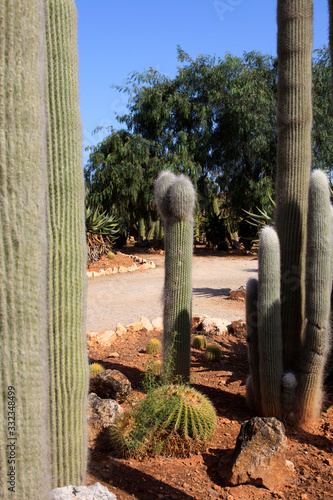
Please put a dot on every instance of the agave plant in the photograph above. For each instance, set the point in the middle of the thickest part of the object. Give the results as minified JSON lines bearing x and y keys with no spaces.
{"x":264,"y":218}
{"x":101,"y":231}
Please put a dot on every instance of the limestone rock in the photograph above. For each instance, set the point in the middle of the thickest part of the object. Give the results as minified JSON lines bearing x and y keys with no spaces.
{"x":238,"y":327}
{"x":105,"y":338}
{"x":122,"y":269}
{"x":111,"y":384}
{"x":259,"y":456}
{"x":101,"y":414}
{"x":158,"y":323}
{"x":197,"y":320}
{"x":238,"y":294}
{"x":214,"y":326}
{"x":120,"y":330}
{"x":146,"y":324}
{"x":94,"y":492}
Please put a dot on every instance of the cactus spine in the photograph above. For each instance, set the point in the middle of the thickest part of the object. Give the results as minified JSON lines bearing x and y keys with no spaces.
{"x":69,"y":372}
{"x":175,"y":198}
{"x":42,"y":335}
{"x":23,"y":248}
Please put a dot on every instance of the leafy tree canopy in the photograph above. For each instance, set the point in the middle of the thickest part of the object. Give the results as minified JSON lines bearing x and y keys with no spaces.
{"x":216,"y":121}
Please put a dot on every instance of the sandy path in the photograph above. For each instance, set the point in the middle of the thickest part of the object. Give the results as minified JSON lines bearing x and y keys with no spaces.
{"x":124,"y":298}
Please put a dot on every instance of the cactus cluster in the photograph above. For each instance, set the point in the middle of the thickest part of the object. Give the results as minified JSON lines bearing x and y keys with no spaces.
{"x":288,"y":308}
{"x":175,"y":199}
{"x":43,"y":251}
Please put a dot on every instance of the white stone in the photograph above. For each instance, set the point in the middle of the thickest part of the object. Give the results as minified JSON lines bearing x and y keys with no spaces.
{"x":158,"y":323}
{"x":120,"y":330}
{"x":215,"y":326}
{"x":122,"y":269}
{"x":146,"y":324}
{"x":106,"y":337}
{"x":89,"y":274}
{"x":94,"y":492}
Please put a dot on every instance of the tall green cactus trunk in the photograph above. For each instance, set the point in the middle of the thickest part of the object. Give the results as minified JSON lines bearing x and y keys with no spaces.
{"x":294,"y":121}
{"x":67,"y":249}
{"x":23,"y":250}
{"x":43,"y":369}
{"x":175,"y":198}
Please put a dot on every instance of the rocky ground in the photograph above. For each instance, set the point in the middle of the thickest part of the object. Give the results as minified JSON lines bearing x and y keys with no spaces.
{"x":196,"y":477}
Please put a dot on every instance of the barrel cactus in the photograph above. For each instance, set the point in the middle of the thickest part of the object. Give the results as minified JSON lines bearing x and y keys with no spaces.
{"x":154,"y":346}
{"x":199,"y":342}
{"x":213,"y":353}
{"x":176,"y":418}
{"x":95,"y":369}
{"x":175,"y":199}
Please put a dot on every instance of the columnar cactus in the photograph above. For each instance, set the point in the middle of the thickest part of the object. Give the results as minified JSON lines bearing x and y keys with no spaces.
{"x":269,"y":323}
{"x":44,"y":368}
{"x":175,"y":199}
{"x":318,"y":298}
{"x":68,"y":368}
{"x":294,"y":122}
{"x":304,"y":228}
{"x":23,"y":250}
{"x":297,"y":392}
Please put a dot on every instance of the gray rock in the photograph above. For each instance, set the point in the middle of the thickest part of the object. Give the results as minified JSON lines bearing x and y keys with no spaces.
{"x":259,"y":456}
{"x":101,"y":415}
{"x":111,"y":384}
{"x":94,"y":492}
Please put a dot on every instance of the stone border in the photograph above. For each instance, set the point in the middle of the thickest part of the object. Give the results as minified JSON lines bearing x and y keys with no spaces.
{"x":138,"y":264}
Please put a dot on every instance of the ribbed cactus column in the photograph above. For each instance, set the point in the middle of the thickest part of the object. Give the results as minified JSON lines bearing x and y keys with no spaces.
{"x":253,"y":395}
{"x":175,"y":198}
{"x":294,"y":116}
{"x":24,"y":460}
{"x":318,"y":298}
{"x":67,"y":249}
{"x":269,"y":323}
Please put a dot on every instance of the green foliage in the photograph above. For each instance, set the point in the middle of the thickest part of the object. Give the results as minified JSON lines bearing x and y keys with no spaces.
{"x":154,"y":346}
{"x":199,"y":342}
{"x":101,"y":224}
{"x":95,"y":369}
{"x":213,"y":353}
{"x":216,"y":122}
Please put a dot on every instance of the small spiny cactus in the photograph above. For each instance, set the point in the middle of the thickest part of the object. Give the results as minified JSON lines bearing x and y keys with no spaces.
{"x":95,"y":369}
{"x":199,"y":342}
{"x":213,"y":353}
{"x":154,"y":346}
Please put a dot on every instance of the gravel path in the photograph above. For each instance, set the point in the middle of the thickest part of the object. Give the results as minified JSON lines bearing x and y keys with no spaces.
{"x":124,"y":298}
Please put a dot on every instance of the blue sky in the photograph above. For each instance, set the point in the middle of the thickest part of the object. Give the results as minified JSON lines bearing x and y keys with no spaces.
{"x":118,"y":37}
